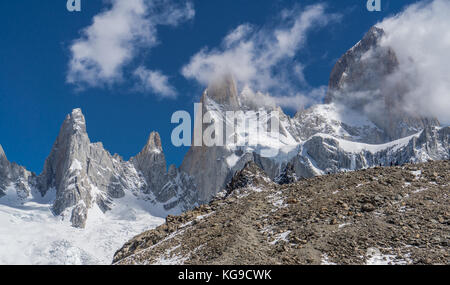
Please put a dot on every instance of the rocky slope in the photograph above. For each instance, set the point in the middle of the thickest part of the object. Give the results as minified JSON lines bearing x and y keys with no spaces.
{"x":381,"y":215}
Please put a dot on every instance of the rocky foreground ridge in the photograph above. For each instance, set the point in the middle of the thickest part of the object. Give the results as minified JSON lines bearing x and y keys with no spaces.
{"x":381,"y":215}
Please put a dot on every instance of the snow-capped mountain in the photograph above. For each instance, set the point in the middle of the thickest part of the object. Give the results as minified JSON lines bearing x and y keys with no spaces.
{"x":107,"y":200}
{"x":323,"y":139}
{"x":361,"y":125}
{"x":86,"y":203}
{"x":83,"y":175}
{"x":364,"y":80}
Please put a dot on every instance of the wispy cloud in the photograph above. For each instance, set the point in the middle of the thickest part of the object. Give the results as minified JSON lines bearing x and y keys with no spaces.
{"x":116,"y":35}
{"x":262,"y":57}
{"x":155,"y":81}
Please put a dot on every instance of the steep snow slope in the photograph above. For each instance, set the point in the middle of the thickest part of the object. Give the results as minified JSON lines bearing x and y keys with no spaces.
{"x":31,"y":234}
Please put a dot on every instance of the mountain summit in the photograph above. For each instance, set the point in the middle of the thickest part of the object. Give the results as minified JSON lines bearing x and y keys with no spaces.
{"x":362,"y":67}
{"x":223,"y":91}
{"x":151,"y":163}
{"x":362,"y":80}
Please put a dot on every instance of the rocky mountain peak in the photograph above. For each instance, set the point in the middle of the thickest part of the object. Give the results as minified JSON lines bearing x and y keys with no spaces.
{"x":173,"y":171}
{"x":357,"y":70}
{"x":154,"y":143}
{"x":66,"y":168}
{"x":223,"y":91}
{"x":152,"y":163}
{"x":362,"y":80}
{"x":75,"y":121}
{"x":373,"y":36}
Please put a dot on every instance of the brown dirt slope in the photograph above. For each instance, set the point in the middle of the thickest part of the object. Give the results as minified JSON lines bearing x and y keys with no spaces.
{"x":393,"y":215}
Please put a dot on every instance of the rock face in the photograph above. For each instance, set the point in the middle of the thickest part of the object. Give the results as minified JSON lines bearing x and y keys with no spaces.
{"x":67,"y":169}
{"x":152,"y":164}
{"x":205,"y":163}
{"x":382,"y":215}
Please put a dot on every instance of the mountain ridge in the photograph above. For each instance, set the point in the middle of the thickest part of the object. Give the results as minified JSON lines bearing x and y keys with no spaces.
{"x":325,"y":138}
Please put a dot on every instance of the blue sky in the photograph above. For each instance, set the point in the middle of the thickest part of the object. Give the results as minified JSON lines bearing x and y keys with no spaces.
{"x":35,"y":51}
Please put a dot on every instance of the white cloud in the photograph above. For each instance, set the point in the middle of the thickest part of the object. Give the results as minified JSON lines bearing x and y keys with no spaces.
{"x":154,"y":81}
{"x":112,"y":41}
{"x":237,"y":34}
{"x":420,"y":37}
{"x":261,"y":58}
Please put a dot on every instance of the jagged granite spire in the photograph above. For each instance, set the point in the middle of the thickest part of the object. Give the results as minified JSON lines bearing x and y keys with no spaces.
{"x":72,"y":140}
{"x":65,"y":169}
{"x":152,"y":163}
{"x":83,"y":173}
{"x":153,"y":143}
